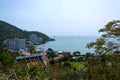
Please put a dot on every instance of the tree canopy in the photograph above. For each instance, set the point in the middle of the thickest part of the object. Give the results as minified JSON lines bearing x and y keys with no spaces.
{"x":109,"y":41}
{"x":111,"y":29}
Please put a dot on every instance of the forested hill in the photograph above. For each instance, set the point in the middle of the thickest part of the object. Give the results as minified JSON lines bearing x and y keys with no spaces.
{"x":10,"y":31}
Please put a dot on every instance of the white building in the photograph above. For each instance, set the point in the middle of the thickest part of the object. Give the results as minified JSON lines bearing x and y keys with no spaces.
{"x":15,"y":44}
{"x":33,"y":38}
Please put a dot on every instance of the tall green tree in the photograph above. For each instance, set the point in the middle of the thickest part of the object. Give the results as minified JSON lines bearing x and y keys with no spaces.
{"x":76,"y":53}
{"x":7,"y":60}
{"x":105,"y":67}
{"x":109,"y":41}
{"x":111,"y":29}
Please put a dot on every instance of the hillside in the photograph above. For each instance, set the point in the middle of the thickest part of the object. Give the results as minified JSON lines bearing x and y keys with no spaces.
{"x":10,"y":31}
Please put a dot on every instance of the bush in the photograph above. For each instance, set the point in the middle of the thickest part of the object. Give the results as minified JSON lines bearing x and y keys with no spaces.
{"x":107,"y":67}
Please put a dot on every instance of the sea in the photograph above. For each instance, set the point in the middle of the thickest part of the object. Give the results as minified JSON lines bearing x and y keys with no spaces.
{"x":70,"y":43}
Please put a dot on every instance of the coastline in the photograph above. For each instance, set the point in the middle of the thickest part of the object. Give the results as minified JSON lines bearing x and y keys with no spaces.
{"x":69,"y":43}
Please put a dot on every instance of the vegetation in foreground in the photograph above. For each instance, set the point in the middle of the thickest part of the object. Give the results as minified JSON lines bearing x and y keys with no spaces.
{"x":106,"y":66}
{"x":13,"y":71}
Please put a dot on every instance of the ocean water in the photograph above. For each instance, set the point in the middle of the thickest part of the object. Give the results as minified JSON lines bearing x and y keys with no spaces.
{"x":70,"y":43}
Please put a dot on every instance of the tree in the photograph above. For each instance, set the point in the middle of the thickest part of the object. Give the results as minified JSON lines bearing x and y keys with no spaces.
{"x":31,"y":47}
{"x":112,"y":29}
{"x":112,"y":34}
{"x":51,"y":55}
{"x":76,"y":53}
{"x":109,"y":41}
{"x":88,"y":55}
{"x":98,"y":45}
{"x":107,"y":65}
{"x":7,"y":60}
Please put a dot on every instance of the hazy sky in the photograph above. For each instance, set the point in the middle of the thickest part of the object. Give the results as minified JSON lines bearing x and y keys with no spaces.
{"x":60,"y":17}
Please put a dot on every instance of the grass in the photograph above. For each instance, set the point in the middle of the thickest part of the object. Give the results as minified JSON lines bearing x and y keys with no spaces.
{"x":76,"y":65}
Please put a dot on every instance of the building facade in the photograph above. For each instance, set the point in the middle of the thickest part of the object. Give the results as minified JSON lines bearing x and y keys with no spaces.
{"x":16,"y":44}
{"x":33,"y":38}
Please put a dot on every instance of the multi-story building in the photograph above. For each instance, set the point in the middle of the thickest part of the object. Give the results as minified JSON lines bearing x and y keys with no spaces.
{"x":33,"y":38}
{"x":16,"y":44}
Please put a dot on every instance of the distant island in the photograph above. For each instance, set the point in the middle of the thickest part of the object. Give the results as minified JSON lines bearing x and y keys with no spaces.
{"x":10,"y":31}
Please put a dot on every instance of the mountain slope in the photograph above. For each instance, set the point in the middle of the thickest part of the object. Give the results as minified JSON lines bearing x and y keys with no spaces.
{"x":10,"y":31}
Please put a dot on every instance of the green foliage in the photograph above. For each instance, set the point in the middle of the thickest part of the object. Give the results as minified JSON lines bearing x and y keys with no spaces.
{"x":68,"y":58}
{"x":112,"y":29}
{"x":10,"y":71}
{"x":67,"y":64}
{"x":87,"y":55}
{"x":51,"y":55}
{"x":7,"y":60}
{"x":107,"y":65}
{"x":31,"y":48}
{"x":63,"y":73}
{"x":71,"y":75}
{"x":81,"y":59}
{"x":105,"y":68}
{"x":108,"y":42}
{"x":10,"y":31}
{"x":76,"y":65}
{"x":98,"y":45}
{"x":76,"y":53}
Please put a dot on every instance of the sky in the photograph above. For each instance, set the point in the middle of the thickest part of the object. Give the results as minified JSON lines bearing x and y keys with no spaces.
{"x":60,"y":17}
